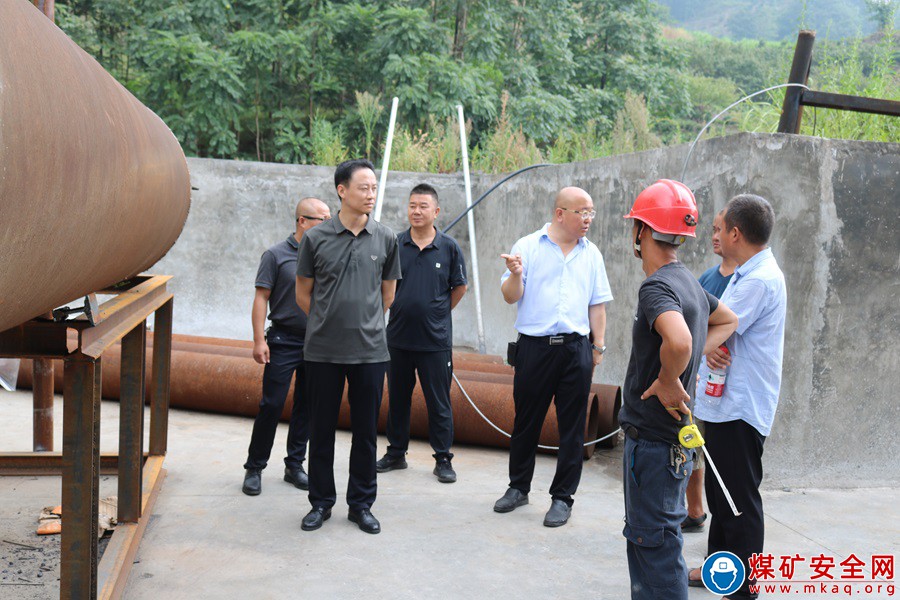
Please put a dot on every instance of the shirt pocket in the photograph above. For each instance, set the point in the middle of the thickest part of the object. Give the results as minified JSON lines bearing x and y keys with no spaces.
{"x":440,"y":278}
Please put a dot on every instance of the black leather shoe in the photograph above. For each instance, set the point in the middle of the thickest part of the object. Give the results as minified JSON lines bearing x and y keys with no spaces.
{"x":297,"y":477}
{"x":314,"y":518}
{"x":444,"y":470}
{"x":390,"y":462}
{"x":365,"y":520}
{"x":510,"y":501}
{"x":252,"y":482}
{"x":558,"y":514}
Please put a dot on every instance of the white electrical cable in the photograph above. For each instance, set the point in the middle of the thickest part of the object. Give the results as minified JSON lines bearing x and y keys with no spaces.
{"x":491,"y":423}
{"x":729,"y":107}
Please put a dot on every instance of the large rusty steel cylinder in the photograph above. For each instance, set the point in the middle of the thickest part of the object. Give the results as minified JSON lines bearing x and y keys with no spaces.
{"x":94,"y":188}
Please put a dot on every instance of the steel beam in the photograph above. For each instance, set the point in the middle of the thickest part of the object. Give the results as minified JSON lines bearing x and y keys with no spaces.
{"x":160,"y":379}
{"x":131,"y":424}
{"x":80,"y":478}
{"x":875,"y":106}
{"x":50,"y":463}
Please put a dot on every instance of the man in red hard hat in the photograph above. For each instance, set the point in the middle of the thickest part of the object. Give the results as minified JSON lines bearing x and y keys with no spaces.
{"x":675,"y":324}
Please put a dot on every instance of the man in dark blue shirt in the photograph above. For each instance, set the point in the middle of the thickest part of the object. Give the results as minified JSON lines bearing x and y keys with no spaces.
{"x":715,"y":279}
{"x":420,"y":333}
{"x":280,"y":349}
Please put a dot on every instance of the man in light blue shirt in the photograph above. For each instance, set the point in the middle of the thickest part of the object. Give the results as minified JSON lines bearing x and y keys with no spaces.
{"x":558,"y":280}
{"x":738,"y":422}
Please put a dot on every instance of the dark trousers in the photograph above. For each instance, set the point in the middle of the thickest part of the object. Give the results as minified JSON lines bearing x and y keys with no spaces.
{"x":285,"y":363}
{"x":654,"y":509}
{"x":736,"y":447}
{"x":560,"y":373}
{"x":325,"y":387}
{"x":435,"y":372}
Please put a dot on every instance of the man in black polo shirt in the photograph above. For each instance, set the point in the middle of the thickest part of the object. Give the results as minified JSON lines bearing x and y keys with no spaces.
{"x":676,"y":322}
{"x":347,"y":272}
{"x":280,"y":349}
{"x":420,"y":333}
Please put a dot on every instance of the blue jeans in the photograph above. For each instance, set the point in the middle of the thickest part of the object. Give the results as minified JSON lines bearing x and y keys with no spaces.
{"x":654,"y":510}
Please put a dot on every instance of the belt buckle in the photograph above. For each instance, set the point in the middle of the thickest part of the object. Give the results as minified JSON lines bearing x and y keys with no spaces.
{"x":557,"y":340}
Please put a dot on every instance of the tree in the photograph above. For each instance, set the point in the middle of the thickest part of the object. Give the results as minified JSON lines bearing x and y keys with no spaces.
{"x":882,"y":12}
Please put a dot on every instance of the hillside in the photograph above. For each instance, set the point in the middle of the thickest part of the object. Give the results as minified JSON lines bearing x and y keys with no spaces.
{"x":771,"y":19}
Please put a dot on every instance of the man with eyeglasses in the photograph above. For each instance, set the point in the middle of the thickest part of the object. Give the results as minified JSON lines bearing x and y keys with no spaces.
{"x":557,"y":278}
{"x":280,"y":349}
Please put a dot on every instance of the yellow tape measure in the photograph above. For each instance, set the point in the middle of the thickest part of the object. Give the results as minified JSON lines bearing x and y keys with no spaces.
{"x":689,"y":436}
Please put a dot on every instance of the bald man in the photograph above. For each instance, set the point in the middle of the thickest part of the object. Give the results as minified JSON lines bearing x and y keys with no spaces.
{"x":558,"y":281}
{"x":280,"y":349}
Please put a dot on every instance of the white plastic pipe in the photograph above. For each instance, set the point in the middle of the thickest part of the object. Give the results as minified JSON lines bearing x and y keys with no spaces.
{"x":470,"y":219}
{"x":379,"y":198}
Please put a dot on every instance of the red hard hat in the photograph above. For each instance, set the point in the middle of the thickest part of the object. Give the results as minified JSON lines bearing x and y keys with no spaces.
{"x":667,"y":207}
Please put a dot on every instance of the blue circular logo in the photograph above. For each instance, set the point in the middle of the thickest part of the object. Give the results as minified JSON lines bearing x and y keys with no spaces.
{"x":723,"y":573}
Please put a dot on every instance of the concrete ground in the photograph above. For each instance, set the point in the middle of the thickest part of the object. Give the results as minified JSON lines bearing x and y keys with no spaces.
{"x":208,"y":540}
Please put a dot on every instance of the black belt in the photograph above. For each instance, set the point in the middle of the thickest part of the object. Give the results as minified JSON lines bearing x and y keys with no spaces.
{"x":555,"y":340}
{"x":632,"y":432}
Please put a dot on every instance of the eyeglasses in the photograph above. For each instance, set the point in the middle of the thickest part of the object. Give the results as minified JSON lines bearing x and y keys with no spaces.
{"x":584,"y":214}
{"x":308,"y":218}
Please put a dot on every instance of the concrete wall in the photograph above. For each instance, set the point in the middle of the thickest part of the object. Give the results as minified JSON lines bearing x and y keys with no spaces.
{"x":837,"y":240}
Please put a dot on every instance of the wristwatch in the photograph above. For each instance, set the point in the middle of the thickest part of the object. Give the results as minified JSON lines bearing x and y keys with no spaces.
{"x":600,"y":349}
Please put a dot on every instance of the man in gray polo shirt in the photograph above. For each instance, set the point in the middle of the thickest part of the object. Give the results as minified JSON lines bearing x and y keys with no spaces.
{"x":347,"y":272}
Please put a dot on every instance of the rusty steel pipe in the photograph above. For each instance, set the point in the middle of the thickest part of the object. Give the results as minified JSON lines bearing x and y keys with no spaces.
{"x":230,"y":384}
{"x":94,"y":188}
{"x":610,"y":401}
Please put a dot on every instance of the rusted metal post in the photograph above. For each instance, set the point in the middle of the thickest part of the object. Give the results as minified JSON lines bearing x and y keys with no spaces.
{"x":159,"y":379}
{"x":131,"y":424}
{"x":791,"y":110}
{"x":48,"y":7}
{"x":80,"y":478}
{"x":42,"y":394}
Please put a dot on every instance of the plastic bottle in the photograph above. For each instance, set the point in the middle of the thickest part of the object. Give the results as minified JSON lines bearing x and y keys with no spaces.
{"x":715,"y":381}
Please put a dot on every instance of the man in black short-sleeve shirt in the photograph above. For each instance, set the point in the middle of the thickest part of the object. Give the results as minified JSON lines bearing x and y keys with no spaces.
{"x":347,"y":272}
{"x":420,"y":333}
{"x":280,"y":349}
{"x":675,"y":323}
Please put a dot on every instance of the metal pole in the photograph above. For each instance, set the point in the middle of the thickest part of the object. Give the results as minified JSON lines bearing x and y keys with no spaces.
{"x":470,"y":219}
{"x":47,"y":7}
{"x":791,"y":110}
{"x":42,"y":399}
{"x":385,"y":163}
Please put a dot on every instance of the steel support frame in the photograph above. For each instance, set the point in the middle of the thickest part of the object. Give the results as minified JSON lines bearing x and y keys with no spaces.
{"x":795,"y":98}
{"x":80,"y":463}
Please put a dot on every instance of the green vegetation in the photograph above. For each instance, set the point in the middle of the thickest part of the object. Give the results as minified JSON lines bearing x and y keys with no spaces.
{"x":310,"y":81}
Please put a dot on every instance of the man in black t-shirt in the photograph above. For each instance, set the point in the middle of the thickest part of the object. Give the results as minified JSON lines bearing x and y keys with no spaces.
{"x":676,"y":322}
{"x":280,"y":349}
{"x":420,"y":333}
